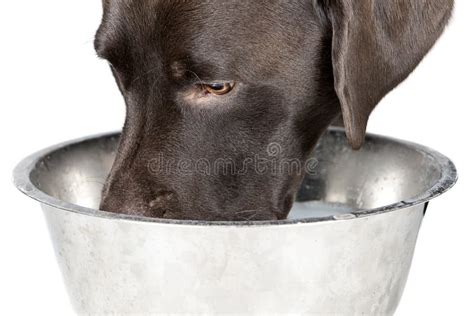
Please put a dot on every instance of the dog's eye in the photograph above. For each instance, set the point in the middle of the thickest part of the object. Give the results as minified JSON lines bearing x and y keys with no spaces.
{"x":219,"y":88}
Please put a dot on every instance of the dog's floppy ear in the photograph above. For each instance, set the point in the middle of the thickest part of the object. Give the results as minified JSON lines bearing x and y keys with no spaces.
{"x":376,"y":45}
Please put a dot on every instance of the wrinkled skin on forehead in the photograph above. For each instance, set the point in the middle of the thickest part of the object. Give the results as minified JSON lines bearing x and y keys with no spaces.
{"x":277,"y":57}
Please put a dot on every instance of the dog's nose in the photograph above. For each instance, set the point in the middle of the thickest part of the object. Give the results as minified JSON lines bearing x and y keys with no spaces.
{"x":129,"y":194}
{"x":139,"y":204}
{"x":166,"y":201}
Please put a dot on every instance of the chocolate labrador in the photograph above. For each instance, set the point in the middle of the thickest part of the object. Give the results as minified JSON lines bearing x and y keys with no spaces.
{"x":219,"y":92}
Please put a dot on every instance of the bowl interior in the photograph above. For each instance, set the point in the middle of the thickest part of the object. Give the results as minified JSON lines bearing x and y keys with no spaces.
{"x":383,"y":173}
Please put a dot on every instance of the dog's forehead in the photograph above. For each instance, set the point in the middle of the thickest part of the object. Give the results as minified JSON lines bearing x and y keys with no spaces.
{"x":211,"y":32}
{"x":211,"y":7}
{"x":212,"y":18}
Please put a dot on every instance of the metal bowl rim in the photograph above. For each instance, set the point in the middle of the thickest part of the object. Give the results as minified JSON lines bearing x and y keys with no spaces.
{"x":22,"y":180}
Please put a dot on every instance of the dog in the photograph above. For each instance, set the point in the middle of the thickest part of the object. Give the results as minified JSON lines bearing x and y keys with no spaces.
{"x":209,"y":81}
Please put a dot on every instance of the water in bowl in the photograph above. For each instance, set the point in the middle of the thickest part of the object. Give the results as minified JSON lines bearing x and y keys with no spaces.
{"x":317,"y":209}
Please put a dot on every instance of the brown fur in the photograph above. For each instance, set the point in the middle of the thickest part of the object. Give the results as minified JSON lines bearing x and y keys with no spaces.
{"x":298,"y":65}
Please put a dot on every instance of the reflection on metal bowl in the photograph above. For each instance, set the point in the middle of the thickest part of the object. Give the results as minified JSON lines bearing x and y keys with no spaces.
{"x":345,"y":249}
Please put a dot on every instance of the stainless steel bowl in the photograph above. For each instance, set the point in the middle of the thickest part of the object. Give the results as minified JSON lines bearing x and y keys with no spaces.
{"x":346,"y":249}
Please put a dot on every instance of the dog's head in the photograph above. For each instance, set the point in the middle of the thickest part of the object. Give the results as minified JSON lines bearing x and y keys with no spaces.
{"x":226,"y":99}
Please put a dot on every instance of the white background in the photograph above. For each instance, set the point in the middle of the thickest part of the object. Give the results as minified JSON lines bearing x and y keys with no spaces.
{"x":53,"y":88}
